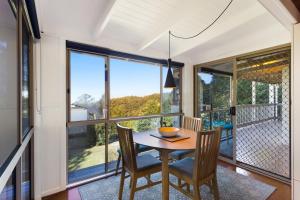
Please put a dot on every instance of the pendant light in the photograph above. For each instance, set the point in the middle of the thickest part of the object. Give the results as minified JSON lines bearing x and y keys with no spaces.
{"x":170,"y":82}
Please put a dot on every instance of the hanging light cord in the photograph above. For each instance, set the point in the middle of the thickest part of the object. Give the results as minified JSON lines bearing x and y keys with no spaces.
{"x":193,"y":36}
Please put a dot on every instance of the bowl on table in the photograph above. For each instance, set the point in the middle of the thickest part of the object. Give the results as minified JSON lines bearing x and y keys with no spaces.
{"x":168,"y":131}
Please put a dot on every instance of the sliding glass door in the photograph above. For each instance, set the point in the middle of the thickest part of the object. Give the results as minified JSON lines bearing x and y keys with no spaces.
{"x":214,"y":98}
{"x":263,"y":112}
{"x":249,"y":96}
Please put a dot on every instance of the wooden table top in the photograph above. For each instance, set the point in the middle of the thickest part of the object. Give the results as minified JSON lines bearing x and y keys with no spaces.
{"x":145,"y":138}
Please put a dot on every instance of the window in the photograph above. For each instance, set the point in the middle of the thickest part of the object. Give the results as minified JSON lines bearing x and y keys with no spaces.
{"x":25,"y":78}
{"x":130,"y":91}
{"x":86,"y":151}
{"x":134,"y":88}
{"x":87,"y":74}
{"x":8,"y":82}
{"x":15,"y":123}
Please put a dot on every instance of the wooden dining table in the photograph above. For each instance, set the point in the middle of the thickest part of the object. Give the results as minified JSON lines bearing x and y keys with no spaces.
{"x":165,"y":147}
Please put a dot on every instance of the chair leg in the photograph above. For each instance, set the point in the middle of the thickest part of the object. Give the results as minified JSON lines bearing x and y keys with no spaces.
{"x":215,"y":187}
{"x":179,"y":182}
{"x":148,"y":177}
{"x":196,"y":189}
{"x":133,"y":187}
{"x":118,"y":164}
{"x":188,"y":188}
{"x":121,"y":184}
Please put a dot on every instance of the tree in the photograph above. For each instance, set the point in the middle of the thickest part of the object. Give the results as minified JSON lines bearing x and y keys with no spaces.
{"x":84,"y":100}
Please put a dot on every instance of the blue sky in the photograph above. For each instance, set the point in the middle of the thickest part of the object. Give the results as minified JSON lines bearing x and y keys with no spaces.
{"x":126,"y":78}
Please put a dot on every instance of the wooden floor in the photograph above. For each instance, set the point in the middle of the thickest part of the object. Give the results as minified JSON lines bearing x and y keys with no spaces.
{"x":283,"y":191}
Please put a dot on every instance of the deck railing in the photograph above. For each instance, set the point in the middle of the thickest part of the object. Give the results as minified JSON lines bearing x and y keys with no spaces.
{"x":251,"y":114}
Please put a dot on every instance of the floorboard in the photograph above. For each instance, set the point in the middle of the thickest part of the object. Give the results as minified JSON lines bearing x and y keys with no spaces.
{"x":283,"y":191}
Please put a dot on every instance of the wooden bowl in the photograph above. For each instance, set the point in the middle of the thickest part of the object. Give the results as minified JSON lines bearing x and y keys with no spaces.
{"x":168,"y":131}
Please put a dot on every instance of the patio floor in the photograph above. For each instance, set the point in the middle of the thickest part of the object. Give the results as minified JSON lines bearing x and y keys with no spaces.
{"x":266,"y":146}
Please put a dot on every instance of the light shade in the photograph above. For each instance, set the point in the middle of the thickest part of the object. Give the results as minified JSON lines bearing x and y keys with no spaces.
{"x":170,"y":82}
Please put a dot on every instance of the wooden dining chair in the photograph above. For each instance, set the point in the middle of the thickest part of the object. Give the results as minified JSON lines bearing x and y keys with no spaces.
{"x":203,"y":168}
{"x":190,"y":123}
{"x":136,"y":166}
{"x":138,"y":149}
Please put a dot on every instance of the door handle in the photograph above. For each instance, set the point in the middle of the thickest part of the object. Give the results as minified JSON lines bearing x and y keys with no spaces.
{"x":232,"y":111}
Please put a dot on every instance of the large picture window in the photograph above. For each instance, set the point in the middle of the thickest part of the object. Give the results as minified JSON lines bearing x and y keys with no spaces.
{"x":104,"y":90}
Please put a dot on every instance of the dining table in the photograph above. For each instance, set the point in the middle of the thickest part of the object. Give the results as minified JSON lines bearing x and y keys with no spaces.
{"x":165,"y":147}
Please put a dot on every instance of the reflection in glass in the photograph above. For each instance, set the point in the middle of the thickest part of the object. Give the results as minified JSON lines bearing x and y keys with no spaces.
{"x":26,"y":184}
{"x":87,"y":72}
{"x":8,"y":82}
{"x":86,"y":152}
{"x":214,"y":100}
{"x":9,"y":190}
{"x":25,"y":79}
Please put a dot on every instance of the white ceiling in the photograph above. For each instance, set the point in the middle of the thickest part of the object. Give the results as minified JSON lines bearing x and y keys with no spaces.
{"x":141,"y":26}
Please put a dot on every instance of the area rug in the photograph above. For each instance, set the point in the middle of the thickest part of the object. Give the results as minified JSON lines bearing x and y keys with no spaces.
{"x":232,"y":186}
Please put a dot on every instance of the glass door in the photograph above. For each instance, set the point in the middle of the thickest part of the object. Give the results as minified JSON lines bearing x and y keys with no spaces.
{"x":214,"y":101}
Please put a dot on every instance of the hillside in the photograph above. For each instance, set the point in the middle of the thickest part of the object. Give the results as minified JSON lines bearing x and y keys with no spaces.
{"x":135,"y":106}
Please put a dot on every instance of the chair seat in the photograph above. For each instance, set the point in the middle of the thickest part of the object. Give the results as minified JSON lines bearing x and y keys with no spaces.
{"x":228,"y":126}
{"x":146,"y":161}
{"x":143,"y":148}
{"x":180,"y":154}
{"x":184,"y":167}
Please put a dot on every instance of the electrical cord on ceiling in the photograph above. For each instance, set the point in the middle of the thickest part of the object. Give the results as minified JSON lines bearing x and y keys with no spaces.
{"x":193,"y":36}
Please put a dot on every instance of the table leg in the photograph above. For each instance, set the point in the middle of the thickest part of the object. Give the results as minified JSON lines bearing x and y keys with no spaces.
{"x":165,"y":174}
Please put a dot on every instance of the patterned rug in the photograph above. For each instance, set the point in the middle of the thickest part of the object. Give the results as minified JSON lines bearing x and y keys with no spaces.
{"x":232,"y":186}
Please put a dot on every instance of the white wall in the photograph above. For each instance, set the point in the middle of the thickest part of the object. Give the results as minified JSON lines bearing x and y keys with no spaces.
{"x":187,"y":89}
{"x":296,"y":113}
{"x":50,"y":116}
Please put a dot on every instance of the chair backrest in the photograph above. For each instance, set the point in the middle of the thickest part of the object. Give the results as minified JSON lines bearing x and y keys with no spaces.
{"x":192,"y":123}
{"x":206,"y":154}
{"x":127,"y":147}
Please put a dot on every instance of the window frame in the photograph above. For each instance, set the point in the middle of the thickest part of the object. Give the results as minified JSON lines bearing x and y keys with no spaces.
{"x":108,"y":120}
{"x":107,"y":90}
